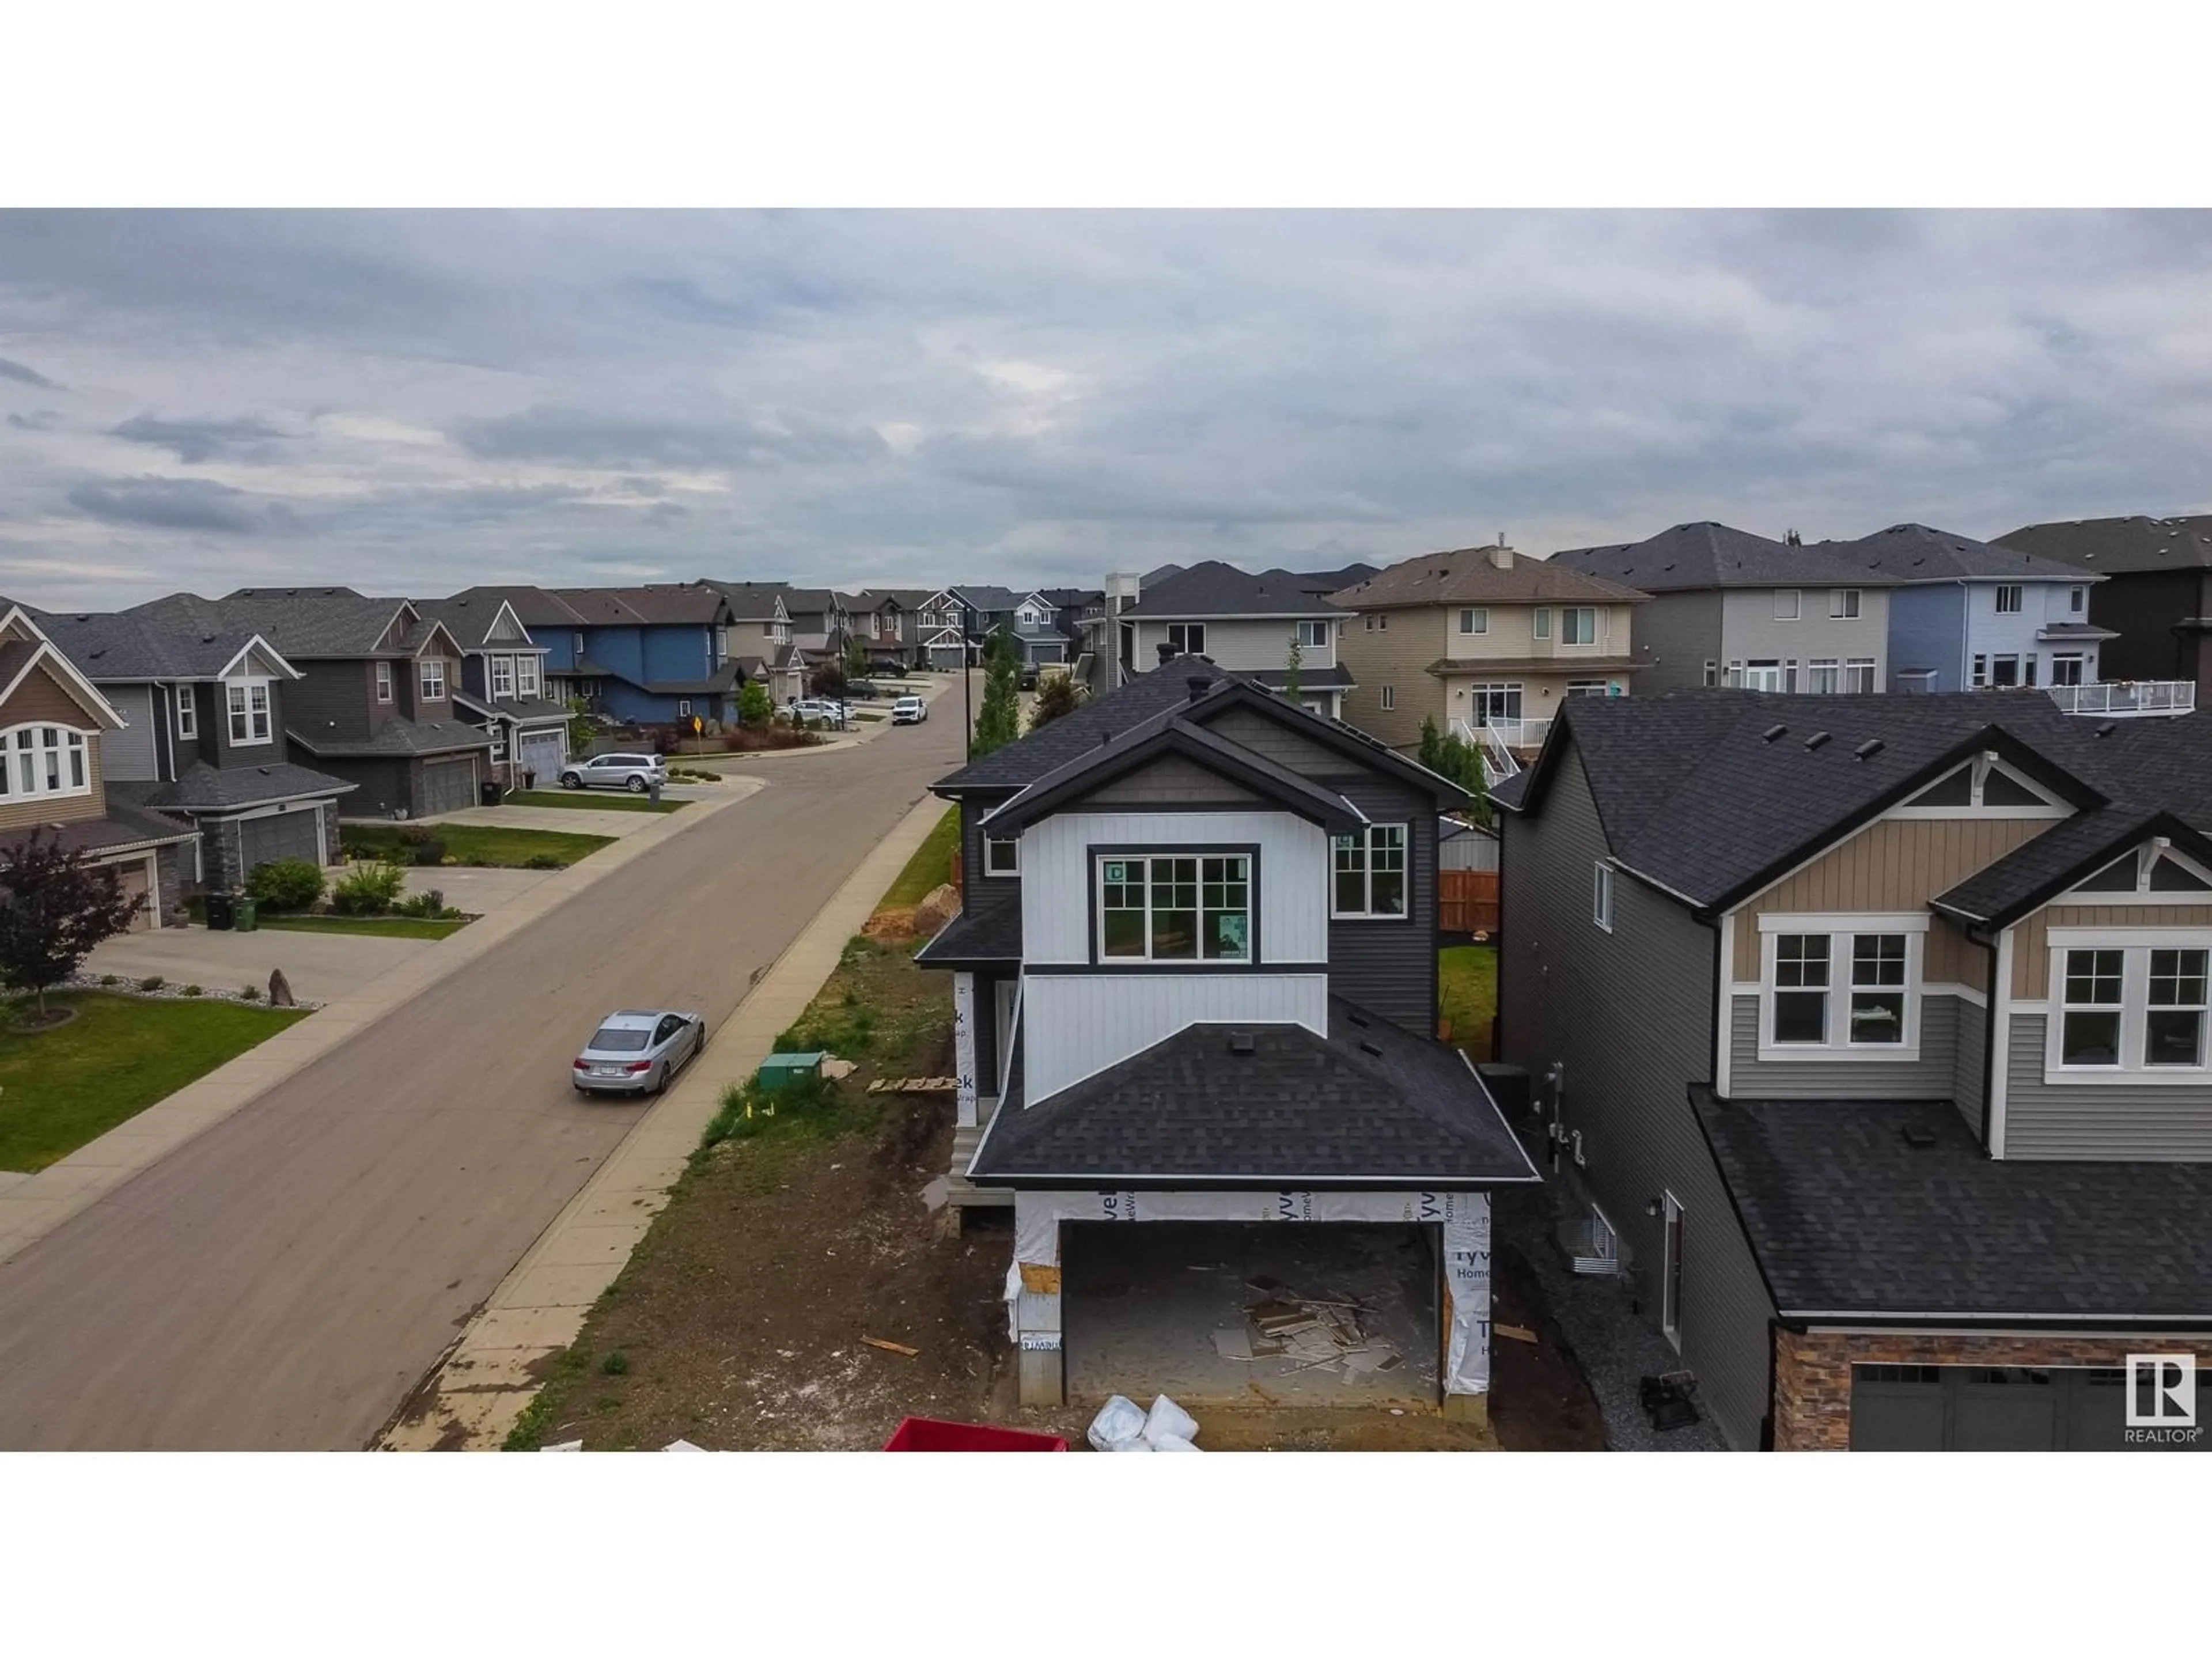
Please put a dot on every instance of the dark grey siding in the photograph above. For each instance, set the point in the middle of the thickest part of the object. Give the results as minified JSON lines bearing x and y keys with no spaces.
{"x":1279,"y":742}
{"x":1630,"y":1017}
{"x":333,"y":700}
{"x":1971,"y":1062}
{"x":187,"y":751}
{"x":972,"y":814}
{"x":2155,"y":1122}
{"x":1676,"y":635}
{"x":1932,"y":1077}
{"x":1390,"y":966}
{"x":384,"y":786}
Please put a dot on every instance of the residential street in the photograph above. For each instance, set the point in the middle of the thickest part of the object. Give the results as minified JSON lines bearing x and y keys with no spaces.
{"x":283,"y":1280}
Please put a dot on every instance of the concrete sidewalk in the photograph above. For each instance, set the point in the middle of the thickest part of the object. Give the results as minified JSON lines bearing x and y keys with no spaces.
{"x":31,"y":1209}
{"x":494,"y":1369}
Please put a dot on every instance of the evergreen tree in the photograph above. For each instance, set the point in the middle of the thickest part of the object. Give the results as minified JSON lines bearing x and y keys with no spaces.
{"x":1291,"y":664}
{"x":1056,"y":696}
{"x":998,"y":723}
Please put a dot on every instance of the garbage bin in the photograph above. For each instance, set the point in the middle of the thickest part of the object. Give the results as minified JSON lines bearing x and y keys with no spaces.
{"x":491,"y":792}
{"x":530,"y":779}
{"x":245,"y":914}
{"x":220,"y":912}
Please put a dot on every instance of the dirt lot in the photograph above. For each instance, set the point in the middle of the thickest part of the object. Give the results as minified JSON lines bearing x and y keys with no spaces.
{"x":738,"y":1323}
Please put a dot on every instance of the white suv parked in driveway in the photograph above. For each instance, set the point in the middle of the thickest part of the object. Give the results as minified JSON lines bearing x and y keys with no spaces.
{"x":635,"y":772}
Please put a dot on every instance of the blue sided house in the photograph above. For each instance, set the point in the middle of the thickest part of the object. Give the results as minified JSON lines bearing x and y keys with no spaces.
{"x":656,"y":655}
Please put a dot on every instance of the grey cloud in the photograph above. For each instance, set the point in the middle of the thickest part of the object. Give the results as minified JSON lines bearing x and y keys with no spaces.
{"x":38,"y":420}
{"x":187,"y":504}
{"x":12,"y":370}
{"x":586,"y":437}
{"x":193,"y":441}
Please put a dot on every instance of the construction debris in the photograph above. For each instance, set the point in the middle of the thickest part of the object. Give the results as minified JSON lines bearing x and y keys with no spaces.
{"x":915,"y":1085}
{"x":1515,"y":1332}
{"x":1314,"y":1333}
{"x":891,"y":1347}
{"x":1120,"y":1426}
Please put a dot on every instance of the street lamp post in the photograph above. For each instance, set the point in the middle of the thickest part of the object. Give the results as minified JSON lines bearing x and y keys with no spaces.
{"x":967,"y":679}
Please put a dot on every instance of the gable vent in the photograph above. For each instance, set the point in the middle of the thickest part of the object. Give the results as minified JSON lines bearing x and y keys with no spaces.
{"x":1819,"y":739}
{"x":1867,"y":749}
{"x":1243,"y":1043}
{"x":1773,"y":733}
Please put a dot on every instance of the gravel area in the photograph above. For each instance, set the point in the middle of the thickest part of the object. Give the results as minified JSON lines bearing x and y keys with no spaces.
{"x":1616,"y":1348}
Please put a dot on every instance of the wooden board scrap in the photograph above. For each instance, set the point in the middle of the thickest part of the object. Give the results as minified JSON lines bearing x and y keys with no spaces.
{"x":891,"y":1347}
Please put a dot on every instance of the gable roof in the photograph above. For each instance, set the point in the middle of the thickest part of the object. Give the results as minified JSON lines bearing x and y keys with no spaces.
{"x":300,"y":622}
{"x":1216,"y":589}
{"x":652,"y":605}
{"x":145,"y":644}
{"x":983,"y":597}
{"x":1914,"y":553}
{"x":535,"y":607}
{"x":750,"y":601}
{"x":470,"y":619}
{"x":1717,"y":555}
{"x":1466,"y":575}
{"x":27,"y":650}
{"x":2126,"y":545}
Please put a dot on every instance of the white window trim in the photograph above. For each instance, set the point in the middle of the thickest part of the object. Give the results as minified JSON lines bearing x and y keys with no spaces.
{"x":527,"y":680}
{"x":68,"y":741}
{"x":1540,"y":622}
{"x":1387,"y":699}
{"x":383,"y":681}
{"x":498,"y":733}
{"x":2136,"y":944}
{"x":1473,"y":620}
{"x":1840,"y":927}
{"x":1672,"y":1222}
{"x":238,"y":703}
{"x":502,"y":668}
{"x":425,"y":668}
{"x":1839,"y":610}
{"x":1983,"y":765}
{"x":1313,"y":636}
{"x":1601,"y":895}
{"x":994,"y":844}
{"x":1851,"y":665}
{"x":1834,"y":668}
{"x":1366,"y":838}
{"x":1597,"y":626}
{"x":1187,"y":649}
{"x":1796,"y":598}
{"x":683,"y":708}
{"x":188,"y":712}
{"x":2145,"y":855}
{"x":2018,"y":607}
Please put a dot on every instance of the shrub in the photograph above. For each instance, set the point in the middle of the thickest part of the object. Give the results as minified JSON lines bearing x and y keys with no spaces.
{"x":429,"y":850}
{"x":111,"y":978}
{"x":544,"y":861}
{"x":432,"y":904}
{"x":249,"y":993}
{"x":152,"y":983}
{"x":286,"y":884}
{"x":193,"y":991}
{"x":369,"y":891}
{"x":615,"y":1364}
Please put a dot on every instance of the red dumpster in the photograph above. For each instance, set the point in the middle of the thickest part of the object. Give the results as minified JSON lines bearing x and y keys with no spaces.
{"x":930,"y":1434}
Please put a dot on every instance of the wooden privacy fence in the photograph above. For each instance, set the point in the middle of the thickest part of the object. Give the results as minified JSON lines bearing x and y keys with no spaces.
{"x":1466,"y":901}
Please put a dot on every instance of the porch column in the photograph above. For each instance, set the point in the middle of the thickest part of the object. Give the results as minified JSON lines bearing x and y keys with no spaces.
{"x":1033,"y":1300}
{"x":964,"y":1048}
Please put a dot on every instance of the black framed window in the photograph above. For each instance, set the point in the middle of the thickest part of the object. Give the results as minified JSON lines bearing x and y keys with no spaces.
{"x":1370,"y":873}
{"x":1193,"y":907}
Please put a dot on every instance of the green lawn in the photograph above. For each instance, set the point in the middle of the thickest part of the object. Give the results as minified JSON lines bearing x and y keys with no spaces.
{"x":483,"y":845}
{"x":590,"y":801}
{"x":64,"y":1087}
{"x":931,"y":868}
{"x":369,"y":926}
{"x":1467,"y":993}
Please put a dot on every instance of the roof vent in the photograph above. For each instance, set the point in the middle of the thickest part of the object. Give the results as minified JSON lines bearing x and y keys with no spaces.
{"x":1867,"y":749}
{"x":1367,"y":1048}
{"x":1197,"y":683}
{"x":1774,"y":734}
{"x":1817,"y":740}
{"x":2105,"y":728}
{"x":1918,"y":1135}
{"x":1360,"y":1020}
{"x":264,"y":771}
{"x":1243,"y":1043}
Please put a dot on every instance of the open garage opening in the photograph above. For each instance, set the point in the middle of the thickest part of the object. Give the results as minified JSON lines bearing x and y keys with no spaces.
{"x":1250,"y":1314}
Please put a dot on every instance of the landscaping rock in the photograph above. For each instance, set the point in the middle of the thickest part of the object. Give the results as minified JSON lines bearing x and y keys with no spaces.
{"x":280,"y":990}
{"x":931,"y":915}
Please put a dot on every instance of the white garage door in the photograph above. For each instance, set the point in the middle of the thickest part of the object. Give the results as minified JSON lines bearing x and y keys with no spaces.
{"x":133,"y":883}
{"x":541,"y":752}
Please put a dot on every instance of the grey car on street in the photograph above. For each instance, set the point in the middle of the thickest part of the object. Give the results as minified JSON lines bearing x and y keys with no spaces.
{"x":636,"y":1051}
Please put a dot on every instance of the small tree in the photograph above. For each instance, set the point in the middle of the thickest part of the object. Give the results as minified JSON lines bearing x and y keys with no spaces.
{"x":856,"y":659}
{"x":1291,"y":664}
{"x":581,"y":731}
{"x":829,"y":680}
{"x":755,"y":706}
{"x":998,"y":723}
{"x":54,"y":908}
{"x":1449,"y":755}
{"x":1055,"y":697}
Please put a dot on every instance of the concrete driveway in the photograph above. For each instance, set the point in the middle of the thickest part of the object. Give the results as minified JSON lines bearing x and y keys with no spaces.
{"x":320,"y":966}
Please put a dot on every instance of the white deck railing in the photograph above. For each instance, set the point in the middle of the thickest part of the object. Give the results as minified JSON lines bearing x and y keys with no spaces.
{"x":2126,"y":698}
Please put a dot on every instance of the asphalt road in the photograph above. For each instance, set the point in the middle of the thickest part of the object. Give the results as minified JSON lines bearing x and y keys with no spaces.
{"x":284,"y":1280}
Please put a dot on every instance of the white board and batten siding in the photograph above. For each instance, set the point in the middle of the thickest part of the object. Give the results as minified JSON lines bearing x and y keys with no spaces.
{"x":1078,"y":1024}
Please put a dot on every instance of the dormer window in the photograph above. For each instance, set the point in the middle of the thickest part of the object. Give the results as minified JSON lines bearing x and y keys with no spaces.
{"x":433,"y":682}
{"x":502,"y":677}
{"x":249,"y":712}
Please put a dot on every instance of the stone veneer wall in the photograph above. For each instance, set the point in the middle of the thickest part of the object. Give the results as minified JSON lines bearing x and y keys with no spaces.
{"x":1812,"y":1370}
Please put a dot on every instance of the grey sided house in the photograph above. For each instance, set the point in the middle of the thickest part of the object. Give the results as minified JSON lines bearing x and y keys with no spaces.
{"x":205,"y":705}
{"x":2155,"y":598}
{"x":502,"y":689}
{"x":1872,"y":1032}
{"x":1253,"y":625}
{"x":373,"y":704}
{"x":1195,"y":989}
{"x":53,"y":724}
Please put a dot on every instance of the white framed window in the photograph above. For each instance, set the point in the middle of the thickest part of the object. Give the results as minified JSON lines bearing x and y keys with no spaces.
{"x":2066,"y":668}
{"x":1540,"y":622}
{"x":1578,"y":625}
{"x":525,"y":677}
{"x":722,"y":643}
{"x":1187,"y":639}
{"x":1844,"y":603}
{"x":2008,"y":598}
{"x":1002,"y":855}
{"x":1382,"y":623}
{"x":1390,"y":697}
{"x":1474,"y":619}
{"x":1370,"y":866}
{"x":1712,"y":673}
{"x":1602,"y":896}
{"x":1980,"y":676}
{"x":1763,"y":675}
{"x":1820,"y":676}
{"x":2076,"y":597}
{"x":576,"y":645}
{"x":1858,"y":675}
{"x":502,"y":677}
{"x":2129,"y":1006}
{"x":383,"y":682}
{"x":1843,"y":986}
{"x":498,"y":741}
{"x":249,"y":711}
{"x":432,"y":681}
{"x":1369,"y":619}
{"x":1179,"y":907}
{"x":683,"y":708}
{"x":1313,"y":635}
{"x":188,"y":711}
{"x":40,"y":762}
{"x":2004,"y":669}
{"x":1788,"y":603}
{"x":1590,"y":688}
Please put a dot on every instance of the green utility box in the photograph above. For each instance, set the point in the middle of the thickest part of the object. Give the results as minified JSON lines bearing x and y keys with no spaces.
{"x":782,"y":1070}
{"x":246,"y":915}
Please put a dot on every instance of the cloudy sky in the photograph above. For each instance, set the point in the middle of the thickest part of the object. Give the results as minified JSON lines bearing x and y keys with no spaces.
{"x":413,"y":403}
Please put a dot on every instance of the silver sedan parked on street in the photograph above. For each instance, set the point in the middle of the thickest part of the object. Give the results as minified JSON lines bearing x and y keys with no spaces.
{"x":636,"y":1051}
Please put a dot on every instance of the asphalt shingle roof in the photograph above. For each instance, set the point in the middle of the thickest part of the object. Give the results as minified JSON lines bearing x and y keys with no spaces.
{"x":138,"y":644}
{"x":1369,"y":1103}
{"x":1708,"y":554}
{"x":534,"y":607}
{"x":1845,"y":1215}
{"x":469,"y":617}
{"x":1914,"y":553}
{"x":1466,"y":576}
{"x":1021,"y":763}
{"x":400,"y":738}
{"x":2120,"y":546}
{"x":300,"y":622}
{"x":988,"y":929}
{"x":204,"y":788}
{"x":125,"y":824}
{"x":1215,"y":589}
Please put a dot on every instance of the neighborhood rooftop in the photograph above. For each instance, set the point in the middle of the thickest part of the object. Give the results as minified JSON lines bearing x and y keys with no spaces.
{"x":1709,"y":554}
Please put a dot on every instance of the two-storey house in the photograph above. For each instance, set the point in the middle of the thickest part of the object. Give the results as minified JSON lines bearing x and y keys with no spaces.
{"x":2156,"y":597}
{"x":761,"y":637}
{"x":373,"y":704}
{"x":656,"y":655}
{"x":1872,"y":1034}
{"x":888,"y":623}
{"x":1194,"y":983}
{"x":1250,"y":624}
{"x":502,"y":689}
{"x":1729,"y":608}
{"x":1485,"y":643}
{"x":1965,"y":615}
{"x":54,"y":723}
{"x":203,"y":703}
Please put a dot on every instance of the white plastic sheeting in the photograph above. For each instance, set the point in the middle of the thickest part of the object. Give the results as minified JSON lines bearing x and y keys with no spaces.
{"x":1120,"y":1426}
{"x":964,"y":1048}
{"x":1463,"y":1218}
